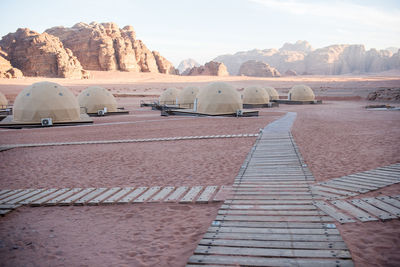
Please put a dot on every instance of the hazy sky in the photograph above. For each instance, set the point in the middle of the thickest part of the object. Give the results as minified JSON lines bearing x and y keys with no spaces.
{"x":204,"y":29}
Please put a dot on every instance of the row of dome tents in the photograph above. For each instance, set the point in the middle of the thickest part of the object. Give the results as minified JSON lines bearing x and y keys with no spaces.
{"x":221,"y":99}
{"x":48,"y":103}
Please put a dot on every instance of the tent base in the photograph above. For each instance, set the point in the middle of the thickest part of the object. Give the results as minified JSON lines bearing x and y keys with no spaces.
{"x":268,"y":105}
{"x":9,"y":123}
{"x":293,"y":102}
{"x":120,"y":112}
{"x":190,"y":112}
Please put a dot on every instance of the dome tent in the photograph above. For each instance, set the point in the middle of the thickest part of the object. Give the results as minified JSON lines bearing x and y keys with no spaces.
{"x":218,"y":98}
{"x":95,"y":98}
{"x":301,"y":93}
{"x":187,"y":96}
{"x":255,"y":96}
{"x":3,"y":101}
{"x":45,"y":100}
{"x":273,"y":94}
{"x":168,"y":97}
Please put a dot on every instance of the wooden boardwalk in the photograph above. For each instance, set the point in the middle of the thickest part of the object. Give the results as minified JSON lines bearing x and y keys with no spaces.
{"x":271,"y":219}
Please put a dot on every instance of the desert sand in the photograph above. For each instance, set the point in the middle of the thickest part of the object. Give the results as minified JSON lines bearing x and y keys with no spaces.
{"x":336,"y":138}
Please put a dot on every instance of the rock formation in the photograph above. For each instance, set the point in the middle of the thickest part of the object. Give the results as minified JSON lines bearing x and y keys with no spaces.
{"x":41,"y":55}
{"x":290,"y":73}
{"x":104,"y":46}
{"x":187,"y":64}
{"x":387,"y":94}
{"x":6,"y":69}
{"x":258,"y":69}
{"x":330,"y":60}
{"x":211,"y":68}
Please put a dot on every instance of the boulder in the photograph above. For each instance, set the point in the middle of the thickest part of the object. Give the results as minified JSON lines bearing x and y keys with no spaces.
{"x":258,"y":69}
{"x":104,"y":46}
{"x":40,"y":55}
{"x":211,"y":68}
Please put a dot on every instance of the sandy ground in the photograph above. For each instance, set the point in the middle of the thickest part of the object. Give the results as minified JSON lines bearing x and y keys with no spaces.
{"x":335,"y":139}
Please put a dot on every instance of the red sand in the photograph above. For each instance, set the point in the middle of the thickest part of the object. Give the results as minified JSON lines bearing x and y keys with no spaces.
{"x":335,"y":139}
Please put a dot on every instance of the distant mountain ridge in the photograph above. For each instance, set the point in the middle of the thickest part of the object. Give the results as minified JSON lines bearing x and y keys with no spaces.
{"x":187,"y":64}
{"x":303,"y":59}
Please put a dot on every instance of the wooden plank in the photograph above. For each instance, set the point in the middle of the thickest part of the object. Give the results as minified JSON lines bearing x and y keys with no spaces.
{"x":270,"y":212}
{"x":76,"y":196}
{"x":383,"y":175}
{"x":274,"y":218}
{"x":16,"y":195}
{"x":132,"y":195}
{"x":162,"y":194}
{"x":38,"y":196}
{"x":290,"y":253}
{"x":176,"y":194}
{"x":265,"y":230}
{"x":10,"y":193}
{"x":270,"y":201}
{"x":89,"y":196}
{"x":395,"y":174}
{"x":350,"y":184}
{"x":4,"y":212}
{"x":100,"y":198}
{"x":272,"y":197}
{"x":274,"y":244}
{"x":59,"y":198}
{"x":4,"y":191}
{"x":307,"y":225}
{"x":240,"y":193}
{"x":360,"y":182}
{"x":383,"y":206}
{"x":117,"y":196}
{"x":189,"y":197}
{"x":25,"y":196}
{"x":207,"y":194}
{"x":348,"y":188}
{"x":374,"y":177}
{"x":390,"y":200}
{"x":261,"y":261}
{"x":146,"y":195}
{"x":356,"y":212}
{"x":383,"y":215}
{"x":269,"y":207}
{"x":334,"y":213}
{"x":273,"y":237}
{"x":332,"y":190}
{"x":326,"y":194}
{"x":9,"y":206}
{"x":42,"y":200}
{"x":376,"y":183}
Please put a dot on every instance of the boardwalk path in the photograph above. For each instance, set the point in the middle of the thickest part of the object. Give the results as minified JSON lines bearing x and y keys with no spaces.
{"x":271,"y":219}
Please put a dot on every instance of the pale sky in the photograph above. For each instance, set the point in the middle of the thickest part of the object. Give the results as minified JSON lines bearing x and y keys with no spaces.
{"x":204,"y":29}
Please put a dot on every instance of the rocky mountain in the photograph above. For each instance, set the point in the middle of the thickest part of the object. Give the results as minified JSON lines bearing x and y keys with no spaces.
{"x":38,"y":54}
{"x":211,"y":68}
{"x":330,"y":60}
{"x":6,"y":69}
{"x":104,"y":46}
{"x":257,"y":69}
{"x":187,"y":64}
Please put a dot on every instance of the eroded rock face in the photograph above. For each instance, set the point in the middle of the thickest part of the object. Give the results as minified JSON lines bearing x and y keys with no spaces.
{"x":330,"y":60}
{"x":290,"y":73}
{"x":258,"y":69}
{"x":164,"y":66}
{"x":41,"y":55}
{"x":6,"y":70}
{"x":104,"y":46}
{"x":387,"y":94}
{"x":211,"y":68}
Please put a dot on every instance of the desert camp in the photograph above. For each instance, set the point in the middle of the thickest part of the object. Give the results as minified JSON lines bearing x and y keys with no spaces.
{"x":211,"y":133}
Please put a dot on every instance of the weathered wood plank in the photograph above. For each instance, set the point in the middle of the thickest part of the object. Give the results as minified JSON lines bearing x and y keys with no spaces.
{"x":5,"y":211}
{"x":264,"y":230}
{"x":59,"y":198}
{"x":42,"y":200}
{"x":25,"y":196}
{"x":176,"y":194}
{"x":189,"y":197}
{"x":383,"y":206}
{"x":326,"y":194}
{"x":350,"y":182}
{"x":270,"y":201}
{"x":132,"y":195}
{"x":74,"y":197}
{"x":356,"y":212}
{"x":103,"y":196}
{"x":118,"y":195}
{"x":18,"y":194}
{"x":270,"y":212}
{"x":273,"y":237}
{"x":207,"y":194}
{"x":10,"y":193}
{"x":261,"y":261}
{"x":290,"y":253}
{"x":162,"y":194}
{"x":294,"y":225}
{"x":383,"y":215}
{"x":274,"y":244}
{"x":268,"y":207}
{"x":38,"y":196}
{"x":3,"y":192}
{"x":275,"y":218}
{"x":334,"y":213}
{"x":348,"y":188}
{"x":332,"y":190}
{"x":374,"y":177}
{"x":9,"y":206}
{"x":146,"y":195}
{"x":390,"y":200}
{"x":376,"y":183}
{"x":90,"y":196}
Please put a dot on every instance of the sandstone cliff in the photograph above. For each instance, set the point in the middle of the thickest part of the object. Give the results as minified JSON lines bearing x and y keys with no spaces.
{"x":104,"y":46}
{"x":330,"y":60}
{"x":211,"y":68}
{"x":41,"y":55}
{"x":257,"y":69}
{"x":6,"y":69}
